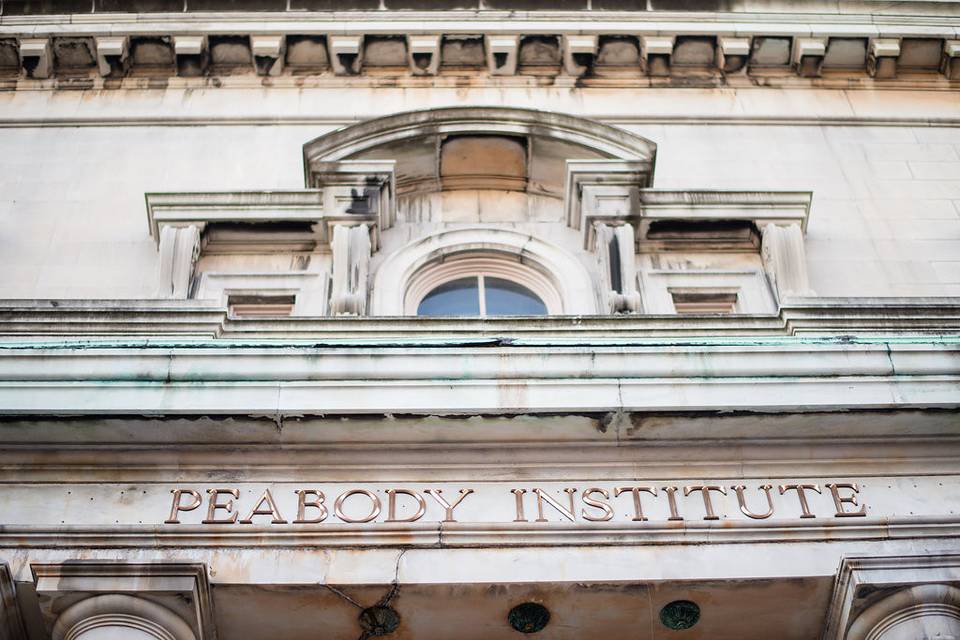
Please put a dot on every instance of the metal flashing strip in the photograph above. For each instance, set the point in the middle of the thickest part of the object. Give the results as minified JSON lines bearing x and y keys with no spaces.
{"x":226,"y":346}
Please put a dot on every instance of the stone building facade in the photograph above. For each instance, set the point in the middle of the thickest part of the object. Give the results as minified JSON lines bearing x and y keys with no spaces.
{"x":479,"y":319}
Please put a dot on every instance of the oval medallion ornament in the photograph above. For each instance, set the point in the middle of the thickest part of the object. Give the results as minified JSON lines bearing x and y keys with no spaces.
{"x":528,"y":617}
{"x":680,"y":614}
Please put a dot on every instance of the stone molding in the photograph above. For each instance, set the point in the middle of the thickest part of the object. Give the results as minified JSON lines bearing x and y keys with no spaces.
{"x":21,"y":320}
{"x":170,"y":601}
{"x":479,"y":377}
{"x":468,"y":535}
{"x":603,"y":139}
{"x":742,"y":38}
{"x":325,"y":207}
{"x":870,"y":592}
{"x":613,"y":200}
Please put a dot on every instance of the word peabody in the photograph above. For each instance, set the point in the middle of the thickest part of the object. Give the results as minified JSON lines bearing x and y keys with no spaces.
{"x":591,"y":504}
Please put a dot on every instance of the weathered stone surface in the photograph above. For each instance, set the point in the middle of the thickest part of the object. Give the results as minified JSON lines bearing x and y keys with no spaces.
{"x":138,"y":6}
{"x":152,"y":52}
{"x":230,"y":51}
{"x":28,"y":7}
{"x":334,"y":5}
{"x":846,"y":53}
{"x":539,"y":51}
{"x":307,"y":52}
{"x":462,"y":51}
{"x":385,"y":51}
{"x":9,"y":55}
{"x":618,"y":51}
{"x":920,"y":53}
{"x":74,"y":53}
{"x":472,"y":161}
{"x":532,"y":5}
{"x":432,"y":5}
{"x":236,"y":5}
{"x":770,"y":52}
{"x":694,"y":51}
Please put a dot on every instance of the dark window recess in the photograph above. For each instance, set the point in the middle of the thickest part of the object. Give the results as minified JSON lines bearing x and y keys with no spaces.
{"x":696,"y":302}
{"x":230,"y":237}
{"x":615,"y":280}
{"x":706,"y":229}
{"x":260,"y":306}
{"x":291,"y":226}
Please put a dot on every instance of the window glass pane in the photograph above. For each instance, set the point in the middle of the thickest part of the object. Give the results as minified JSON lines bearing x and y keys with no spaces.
{"x":455,"y":298}
{"x":505,"y":298}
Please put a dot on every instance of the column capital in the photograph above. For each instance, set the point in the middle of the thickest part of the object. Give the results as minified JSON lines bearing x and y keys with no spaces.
{"x":167,"y":601}
{"x":880,"y":598}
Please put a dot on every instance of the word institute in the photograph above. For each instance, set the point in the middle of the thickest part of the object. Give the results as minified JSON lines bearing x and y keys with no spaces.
{"x":485,"y":503}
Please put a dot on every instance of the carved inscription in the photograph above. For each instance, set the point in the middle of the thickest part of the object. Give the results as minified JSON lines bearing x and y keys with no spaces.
{"x":620,"y":501}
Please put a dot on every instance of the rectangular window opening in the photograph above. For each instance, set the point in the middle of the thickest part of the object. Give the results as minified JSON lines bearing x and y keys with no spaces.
{"x":700,"y":302}
{"x":261,"y":306}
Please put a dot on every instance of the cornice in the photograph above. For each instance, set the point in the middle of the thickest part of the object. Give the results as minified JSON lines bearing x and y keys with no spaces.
{"x":469,"y":377}
{"x":754,"y":44}
{"x":466,"y":21}
{"x":25,"y":320}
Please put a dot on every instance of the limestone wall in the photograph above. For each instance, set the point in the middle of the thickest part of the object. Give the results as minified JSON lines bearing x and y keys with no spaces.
{"x":74,"y":167}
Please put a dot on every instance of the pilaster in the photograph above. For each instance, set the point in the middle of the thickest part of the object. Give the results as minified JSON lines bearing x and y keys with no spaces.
{"x":128,"y":601}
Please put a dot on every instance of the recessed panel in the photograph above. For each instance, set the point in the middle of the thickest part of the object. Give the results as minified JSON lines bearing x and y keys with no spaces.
{"x":479,"y":162}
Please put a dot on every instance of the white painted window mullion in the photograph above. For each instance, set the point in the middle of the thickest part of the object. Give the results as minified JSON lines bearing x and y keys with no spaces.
{"x":483,"y":297}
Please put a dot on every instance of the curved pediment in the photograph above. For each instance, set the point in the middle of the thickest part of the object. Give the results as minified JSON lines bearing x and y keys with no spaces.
{"x":478,"y":148}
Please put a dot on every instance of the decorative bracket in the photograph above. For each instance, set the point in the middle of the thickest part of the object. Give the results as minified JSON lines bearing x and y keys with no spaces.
{"x":346,"y":54}
{"x":111,"y":54}
{"x":268,"y":53}
{"x":579,"y":52}
{"x":808,"y":54}
{"x":36,"y":57}
{"x":618,"y":267}
{"x":882,"y":58}
{"x":424,"y":54}
{"x":502,"y":54}
{"x":179,"y":250}
{"x":351,"y":268}
{"x":657,"y":51}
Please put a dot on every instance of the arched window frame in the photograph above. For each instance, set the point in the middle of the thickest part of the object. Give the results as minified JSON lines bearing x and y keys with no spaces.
{"x":556,"y":276}
{"x":485,"y":264}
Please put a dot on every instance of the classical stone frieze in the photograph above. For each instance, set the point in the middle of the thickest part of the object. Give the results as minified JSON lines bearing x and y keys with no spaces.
{"x":634,"y":47}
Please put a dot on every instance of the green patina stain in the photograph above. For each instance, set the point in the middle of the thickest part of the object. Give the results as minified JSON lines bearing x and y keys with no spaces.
{"x":458,"y":342}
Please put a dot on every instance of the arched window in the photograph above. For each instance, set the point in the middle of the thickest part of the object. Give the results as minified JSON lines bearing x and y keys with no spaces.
{"x":481,"y":295}
{"x":481,"y":283}
{"x":482,"y":271}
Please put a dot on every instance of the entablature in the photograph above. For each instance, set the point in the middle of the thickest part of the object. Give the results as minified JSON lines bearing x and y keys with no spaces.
{"x":343,"y":193}
{"x":584,"y":45}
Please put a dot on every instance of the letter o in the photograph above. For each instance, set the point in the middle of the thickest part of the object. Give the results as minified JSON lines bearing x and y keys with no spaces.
{"x":338,"y":506}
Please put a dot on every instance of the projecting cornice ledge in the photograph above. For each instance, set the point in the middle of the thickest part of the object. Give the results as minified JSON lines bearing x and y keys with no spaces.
{"x":479,"y":376}
{"x":613,"y":192}
{"x":576,"y":44}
